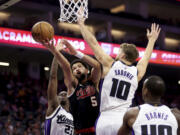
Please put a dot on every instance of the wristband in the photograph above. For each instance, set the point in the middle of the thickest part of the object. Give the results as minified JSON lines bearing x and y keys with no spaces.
{"x":80,"y":55}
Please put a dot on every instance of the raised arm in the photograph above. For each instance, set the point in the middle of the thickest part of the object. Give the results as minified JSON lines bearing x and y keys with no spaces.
{"x":143,"y":62}
{"x":52,"y":88}
{"x":96,"y":68}
{"x":99,"y":53}
{"x":69,"y":80}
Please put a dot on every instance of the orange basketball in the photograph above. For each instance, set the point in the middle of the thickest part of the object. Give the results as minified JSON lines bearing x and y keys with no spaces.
{"x":42,"y":31}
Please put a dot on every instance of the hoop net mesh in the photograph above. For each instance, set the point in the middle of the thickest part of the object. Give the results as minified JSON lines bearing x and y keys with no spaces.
{"x":69,"y":10}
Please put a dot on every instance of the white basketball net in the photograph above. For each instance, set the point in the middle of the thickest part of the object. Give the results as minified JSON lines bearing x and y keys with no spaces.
{"x":69,"y":10}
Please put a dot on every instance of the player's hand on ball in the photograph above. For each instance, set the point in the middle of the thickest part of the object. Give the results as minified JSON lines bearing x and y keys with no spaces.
{"x":154,"y":33}
{"x":49,"y":44}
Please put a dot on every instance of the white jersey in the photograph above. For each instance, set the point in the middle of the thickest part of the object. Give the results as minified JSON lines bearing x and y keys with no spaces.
{"x":118,"y":87}
{"x":60,"y":122}
{"x":155,"y":120}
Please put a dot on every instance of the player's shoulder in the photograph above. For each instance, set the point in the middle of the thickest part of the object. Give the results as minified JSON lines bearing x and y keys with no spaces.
{"x":131,"y":116}
{"x":176,"y":112}
{"x":132,"y":112}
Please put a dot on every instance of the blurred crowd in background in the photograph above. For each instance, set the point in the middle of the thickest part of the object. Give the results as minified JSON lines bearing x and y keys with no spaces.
{"x":23,"y":100}
{"x":23,"y":104}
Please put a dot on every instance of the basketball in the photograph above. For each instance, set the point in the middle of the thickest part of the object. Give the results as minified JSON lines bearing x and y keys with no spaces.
{"x":42,"y":31}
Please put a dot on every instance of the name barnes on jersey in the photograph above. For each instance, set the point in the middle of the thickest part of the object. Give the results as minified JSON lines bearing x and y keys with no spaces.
{"x":62,"y":119}
{"x":124,"y":73}
{"x":156,"y":115}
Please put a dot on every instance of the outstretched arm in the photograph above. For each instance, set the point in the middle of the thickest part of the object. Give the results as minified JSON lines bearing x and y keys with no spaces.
{"x":99,"y":53}
{"x":69,"y":79}
{"x":96,"y":68}
{"x":52,"y":88}
{"x":143,"y":62}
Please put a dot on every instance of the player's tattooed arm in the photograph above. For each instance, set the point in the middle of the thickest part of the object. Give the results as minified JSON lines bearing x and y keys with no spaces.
{"x":69,"y":80}
{"x":96,"y":67}
{"x":52,"y":88}
{"x":152,"y":37}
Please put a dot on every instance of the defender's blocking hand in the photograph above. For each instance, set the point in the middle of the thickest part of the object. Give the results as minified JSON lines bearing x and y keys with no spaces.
{"x":154,"y":33}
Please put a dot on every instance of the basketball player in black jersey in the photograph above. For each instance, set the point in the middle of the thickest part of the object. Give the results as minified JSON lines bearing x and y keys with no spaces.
{"x":82,"y":87}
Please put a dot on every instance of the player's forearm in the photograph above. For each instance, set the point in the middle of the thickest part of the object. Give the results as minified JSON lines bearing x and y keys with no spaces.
{"x":52,"y":86}
{"x":92,"y":42}
{"x":66,"y":68}
{"x":61,"y":60}
{"x":54,"y":68}
{"x":88,"y":36}
{"x":143,"y":62}
{"x":149,"y":50}
{"x":90,"y":61}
